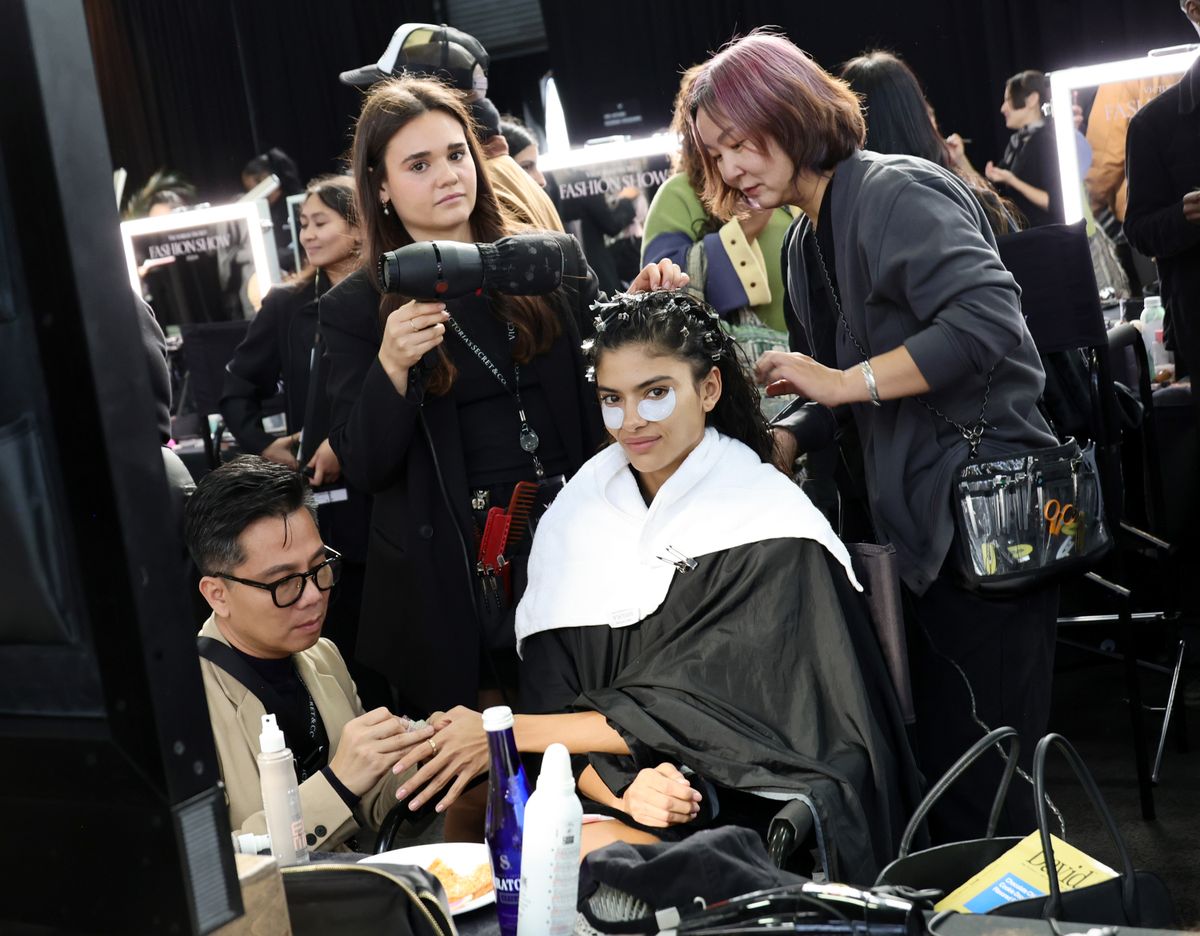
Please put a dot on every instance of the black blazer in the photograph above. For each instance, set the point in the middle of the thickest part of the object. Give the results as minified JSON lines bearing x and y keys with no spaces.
{"x":279,"y":346}
{"x":418,"y":624}
{"x":1036,"y":163}
{"x":1162,"y":163}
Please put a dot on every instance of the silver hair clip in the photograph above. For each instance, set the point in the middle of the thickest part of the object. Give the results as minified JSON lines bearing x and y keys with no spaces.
{"x":682,"y":563}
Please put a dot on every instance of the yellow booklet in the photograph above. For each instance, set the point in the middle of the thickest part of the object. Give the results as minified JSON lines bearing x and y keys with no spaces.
{"x":1020,"y":874}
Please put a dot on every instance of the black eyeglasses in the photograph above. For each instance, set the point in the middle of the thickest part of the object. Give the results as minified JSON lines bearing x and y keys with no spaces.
{"x":286,"y":591}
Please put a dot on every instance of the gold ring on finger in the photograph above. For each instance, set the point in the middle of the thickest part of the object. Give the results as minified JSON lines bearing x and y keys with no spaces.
{"x":413,"y":323}
{"x":432,"y":744}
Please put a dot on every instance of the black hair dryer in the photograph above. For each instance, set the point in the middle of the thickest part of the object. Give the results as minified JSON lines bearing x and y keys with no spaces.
{"x":520,"y":265}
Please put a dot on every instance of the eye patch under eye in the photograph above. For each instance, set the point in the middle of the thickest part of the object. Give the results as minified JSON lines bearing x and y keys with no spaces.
{"x":649,"y":410}
{"x":660,"y":409}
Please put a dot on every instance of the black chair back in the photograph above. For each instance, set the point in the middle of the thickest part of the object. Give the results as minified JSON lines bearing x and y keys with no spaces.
{"x":207,"y":348}
{"x":1061,"y":301}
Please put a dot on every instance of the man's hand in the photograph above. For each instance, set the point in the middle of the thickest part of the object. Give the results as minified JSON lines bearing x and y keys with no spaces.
{"x":458,"y":754}
{"x":661,"y":797}
{"x":1191,"y":206}
{"x":325,"y":465}
{"x":283,"y":450}
{"x":370,"y":745}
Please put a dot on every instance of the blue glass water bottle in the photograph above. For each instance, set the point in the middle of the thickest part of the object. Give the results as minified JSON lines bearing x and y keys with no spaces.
{"x":508,"y":791}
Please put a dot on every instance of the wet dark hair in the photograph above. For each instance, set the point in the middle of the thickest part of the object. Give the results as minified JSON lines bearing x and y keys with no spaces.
{"x":675,"y":324}
{"x":1021,"y":85}
{"x":230,"y":498}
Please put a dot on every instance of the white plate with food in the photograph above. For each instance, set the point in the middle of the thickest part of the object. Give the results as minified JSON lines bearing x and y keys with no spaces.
{"x":463,"y":868}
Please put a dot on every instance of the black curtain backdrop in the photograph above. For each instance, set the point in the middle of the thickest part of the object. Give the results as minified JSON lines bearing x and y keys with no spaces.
{"x":201,"y":86}
{"x":963,"y":50}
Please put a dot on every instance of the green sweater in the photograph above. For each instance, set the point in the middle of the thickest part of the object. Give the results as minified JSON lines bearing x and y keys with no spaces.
{"x":739,"y":272}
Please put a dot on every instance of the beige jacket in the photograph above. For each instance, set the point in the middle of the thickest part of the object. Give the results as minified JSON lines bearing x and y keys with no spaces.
{"x":236,"y":716}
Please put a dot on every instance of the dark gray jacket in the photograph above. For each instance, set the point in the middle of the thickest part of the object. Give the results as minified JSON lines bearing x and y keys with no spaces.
{"x":917,"y":266}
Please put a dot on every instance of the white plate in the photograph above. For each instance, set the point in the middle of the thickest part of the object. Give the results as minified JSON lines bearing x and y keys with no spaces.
{"x":463,"y":857}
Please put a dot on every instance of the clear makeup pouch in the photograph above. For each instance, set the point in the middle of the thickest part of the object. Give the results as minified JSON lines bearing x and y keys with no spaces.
{"x":1027,"y":518}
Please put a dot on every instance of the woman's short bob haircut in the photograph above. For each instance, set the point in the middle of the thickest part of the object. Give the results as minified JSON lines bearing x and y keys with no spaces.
{"x":762,"y":86}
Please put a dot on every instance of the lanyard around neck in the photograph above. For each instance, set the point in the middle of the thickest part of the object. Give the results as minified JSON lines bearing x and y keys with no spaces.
{"x":528,"y":440}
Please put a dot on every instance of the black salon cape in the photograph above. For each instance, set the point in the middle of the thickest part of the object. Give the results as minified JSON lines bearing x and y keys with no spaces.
{"x":759,"y":670}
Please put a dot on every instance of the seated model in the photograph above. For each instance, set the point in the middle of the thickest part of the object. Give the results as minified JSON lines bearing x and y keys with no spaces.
{"x":689,"y":609}
{"x":251,"y":529}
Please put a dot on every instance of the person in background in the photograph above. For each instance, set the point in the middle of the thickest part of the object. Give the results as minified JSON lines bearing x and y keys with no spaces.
{"x":282,"y":346}
{"x":899,"y":300}
{"x":460,"y":60}
{"x":739,"y":256}
{"x":1114,"y":106}
{"x":278,"y":163}
{"x":267,"y":576}
{"x":163,"y":192}
{"x":900,"y":120}
{"x":1163,"y":216}
{"x":522,"y":147}
{"x":1028,"y":173}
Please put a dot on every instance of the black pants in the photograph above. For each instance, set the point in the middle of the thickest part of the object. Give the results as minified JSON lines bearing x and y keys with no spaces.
{"x":1005,"y":649}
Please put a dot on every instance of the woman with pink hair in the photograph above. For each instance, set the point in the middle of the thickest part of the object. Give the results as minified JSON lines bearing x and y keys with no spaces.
{"x":901,"y":315}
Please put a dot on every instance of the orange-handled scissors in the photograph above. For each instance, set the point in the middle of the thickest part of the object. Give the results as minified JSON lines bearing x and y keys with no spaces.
{"x":1059,"y":515}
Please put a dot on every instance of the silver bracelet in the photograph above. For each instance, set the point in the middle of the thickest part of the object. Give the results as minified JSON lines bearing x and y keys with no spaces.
{"x":869,"y":377}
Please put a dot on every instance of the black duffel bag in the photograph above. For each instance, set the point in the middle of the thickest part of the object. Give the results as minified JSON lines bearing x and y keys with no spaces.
{"x":331,"y":898}
{"x":1133,"y":898}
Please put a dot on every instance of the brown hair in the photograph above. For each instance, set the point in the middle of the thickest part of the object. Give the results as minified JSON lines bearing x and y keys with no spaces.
{"x":762,"y":86}
{"x":388,"y":107}
{"x":688,"y":160}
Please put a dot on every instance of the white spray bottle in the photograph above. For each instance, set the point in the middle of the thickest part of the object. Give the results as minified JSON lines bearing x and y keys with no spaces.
{"x":550,"y":850}
{"x":280,"y":796}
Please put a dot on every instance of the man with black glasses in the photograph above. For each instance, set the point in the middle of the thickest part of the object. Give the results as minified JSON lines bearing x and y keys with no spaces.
{"x":251,"y":529}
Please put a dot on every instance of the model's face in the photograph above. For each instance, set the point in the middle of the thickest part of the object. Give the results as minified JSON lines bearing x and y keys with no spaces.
{"x":527,"y":160}
{"x":766,"y":176}
{"x":654,"y":408}
{"x":327,"y":238}
{"x":273,"y":547}
{"x":430,"y":178}
{"x":1017,"y":118}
